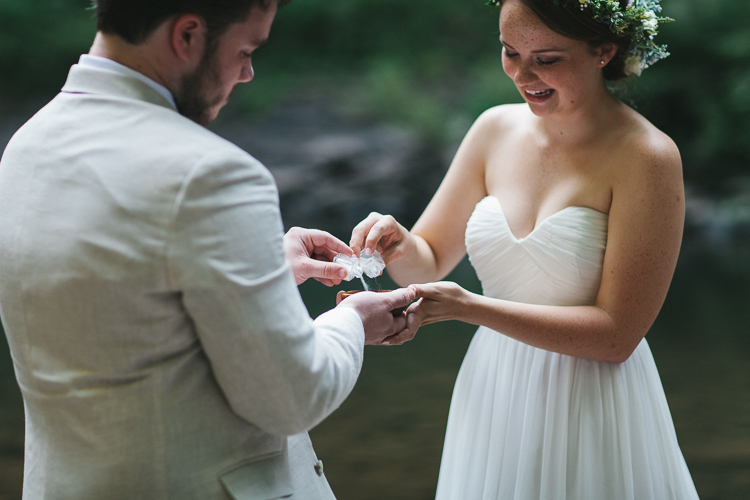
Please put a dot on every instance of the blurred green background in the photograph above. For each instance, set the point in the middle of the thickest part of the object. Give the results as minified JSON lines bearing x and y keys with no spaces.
{"x":430,"y":67}
{"x":425,"y":62}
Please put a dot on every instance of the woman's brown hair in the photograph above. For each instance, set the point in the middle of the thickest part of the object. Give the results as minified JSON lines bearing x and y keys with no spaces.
{"x":566,"y":18}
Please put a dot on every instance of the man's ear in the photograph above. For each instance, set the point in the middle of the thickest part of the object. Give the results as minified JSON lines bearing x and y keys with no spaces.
{"x":188,"y":37}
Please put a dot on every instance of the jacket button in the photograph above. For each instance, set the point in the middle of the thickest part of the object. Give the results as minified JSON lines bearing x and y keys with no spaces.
{"x":319,"y":467}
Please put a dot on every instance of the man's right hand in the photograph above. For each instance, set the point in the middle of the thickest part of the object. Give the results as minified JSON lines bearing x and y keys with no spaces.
{"x":383,"y":315}
{"x":310,"y":252}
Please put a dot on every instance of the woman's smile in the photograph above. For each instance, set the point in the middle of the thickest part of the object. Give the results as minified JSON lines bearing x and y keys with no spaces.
{"x":538,"y":96}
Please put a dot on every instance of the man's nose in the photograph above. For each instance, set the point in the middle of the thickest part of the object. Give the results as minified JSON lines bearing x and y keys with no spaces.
{"x":247,"y":73}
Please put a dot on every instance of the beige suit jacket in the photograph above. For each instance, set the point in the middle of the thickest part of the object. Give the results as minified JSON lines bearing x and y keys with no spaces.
{"x":158,"y":337}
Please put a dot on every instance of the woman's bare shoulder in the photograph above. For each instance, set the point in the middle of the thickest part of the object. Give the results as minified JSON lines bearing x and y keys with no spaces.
{"x":647,"y":150}
{"x":504,"y":115}
{"x":500,"y":121}
{"x":645,"y":172}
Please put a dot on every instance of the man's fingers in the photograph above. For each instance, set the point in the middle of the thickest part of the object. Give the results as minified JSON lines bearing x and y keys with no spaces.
{"x":401,"y":297}
{"x":321,"y":270}
{"x":327,"y":254}
{"x":421,"y":290}
{"x":327,"y":282}
{"x":399,"y":323}
{"x":398,"y":339}
{"x":405,"y":335}
{"x":325,"y":243}
{"x":395,"y":324}
{"x":413,"y":322}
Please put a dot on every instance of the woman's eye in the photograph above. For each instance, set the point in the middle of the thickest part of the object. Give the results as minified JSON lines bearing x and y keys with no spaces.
{"x":547,"y":62}
{"x":509,"y":54}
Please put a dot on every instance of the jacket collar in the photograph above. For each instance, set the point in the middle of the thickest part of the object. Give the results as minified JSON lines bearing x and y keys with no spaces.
{"x":97,"y":81}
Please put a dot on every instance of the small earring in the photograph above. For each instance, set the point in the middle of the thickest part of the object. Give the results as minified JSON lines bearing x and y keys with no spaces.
{"x":601,"y":62}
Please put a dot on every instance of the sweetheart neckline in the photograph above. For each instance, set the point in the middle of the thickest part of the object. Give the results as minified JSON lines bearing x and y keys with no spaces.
{"x":543,"y":221}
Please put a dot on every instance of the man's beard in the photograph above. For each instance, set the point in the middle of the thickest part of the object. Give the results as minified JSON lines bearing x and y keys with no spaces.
{"x":193,"y":97}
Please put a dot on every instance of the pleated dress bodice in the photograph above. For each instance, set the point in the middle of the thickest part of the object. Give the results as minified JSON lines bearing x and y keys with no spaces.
{"x":559,"y":263}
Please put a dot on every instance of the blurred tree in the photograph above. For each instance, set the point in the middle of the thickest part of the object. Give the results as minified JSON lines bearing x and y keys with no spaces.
{"x":434,"y":63}
{"x":700,"y":95}
{"x":39,"y":40}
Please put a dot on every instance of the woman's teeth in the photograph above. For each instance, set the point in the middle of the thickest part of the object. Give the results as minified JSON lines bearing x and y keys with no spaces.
{"x":539,"y":93}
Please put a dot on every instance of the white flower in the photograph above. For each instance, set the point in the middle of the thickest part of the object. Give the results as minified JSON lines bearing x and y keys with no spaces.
{"x":633,"y":65}
{"x":650,"y":22}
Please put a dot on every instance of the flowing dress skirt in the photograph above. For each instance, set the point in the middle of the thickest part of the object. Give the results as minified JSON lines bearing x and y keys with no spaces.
{"x":529,"y":424}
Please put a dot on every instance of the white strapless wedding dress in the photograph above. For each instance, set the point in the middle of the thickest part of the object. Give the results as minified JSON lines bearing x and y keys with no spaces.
{"x":529,"y":424}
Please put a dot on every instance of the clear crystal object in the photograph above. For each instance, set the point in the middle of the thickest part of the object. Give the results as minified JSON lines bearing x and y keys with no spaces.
{"x":369,"y":265}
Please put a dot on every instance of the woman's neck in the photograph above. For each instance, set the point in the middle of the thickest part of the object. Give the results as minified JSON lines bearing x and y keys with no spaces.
{"x":585,"y":122}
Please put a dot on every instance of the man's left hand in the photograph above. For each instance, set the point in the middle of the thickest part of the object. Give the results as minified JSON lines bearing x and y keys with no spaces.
{"x":311,"y":253}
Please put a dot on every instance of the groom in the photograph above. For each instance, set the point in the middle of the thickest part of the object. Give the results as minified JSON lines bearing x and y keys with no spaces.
{"x":146,"y":287}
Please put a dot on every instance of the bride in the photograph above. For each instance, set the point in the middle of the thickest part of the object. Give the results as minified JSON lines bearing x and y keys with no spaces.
{"x":571,"y":209}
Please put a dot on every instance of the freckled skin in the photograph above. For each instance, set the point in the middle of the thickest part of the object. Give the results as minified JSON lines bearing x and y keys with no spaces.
{"x":573,"y":75}
{"x":575,"y":146}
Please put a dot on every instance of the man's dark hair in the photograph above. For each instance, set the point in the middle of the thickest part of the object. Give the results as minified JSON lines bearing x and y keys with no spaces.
{"x":135,"y":20}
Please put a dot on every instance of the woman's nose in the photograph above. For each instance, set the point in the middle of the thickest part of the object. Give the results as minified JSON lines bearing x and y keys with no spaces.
{"x":247,"y":73}
{"x":524,"y":75}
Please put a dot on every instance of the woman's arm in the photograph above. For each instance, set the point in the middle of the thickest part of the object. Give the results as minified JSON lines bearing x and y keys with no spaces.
{"x":436,"y":243}
{"x":645,"y":232}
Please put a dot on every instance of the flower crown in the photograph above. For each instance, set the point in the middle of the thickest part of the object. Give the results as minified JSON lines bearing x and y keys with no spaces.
{"x":638,"y":22}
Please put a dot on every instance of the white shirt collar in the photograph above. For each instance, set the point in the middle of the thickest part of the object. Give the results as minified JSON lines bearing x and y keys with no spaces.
{"x":110,"y":65}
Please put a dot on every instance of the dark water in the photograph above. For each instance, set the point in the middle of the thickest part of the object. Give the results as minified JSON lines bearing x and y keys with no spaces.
{"x":385,"y":441}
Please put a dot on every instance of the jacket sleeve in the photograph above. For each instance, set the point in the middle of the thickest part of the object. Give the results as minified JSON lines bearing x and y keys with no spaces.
{"x":278,"y":369}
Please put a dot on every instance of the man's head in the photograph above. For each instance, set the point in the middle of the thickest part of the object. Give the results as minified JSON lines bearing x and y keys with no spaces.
{"x":199,"y":49}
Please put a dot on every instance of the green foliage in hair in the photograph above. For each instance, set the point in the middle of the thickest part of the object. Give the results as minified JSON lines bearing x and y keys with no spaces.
{"x":637,"y":22}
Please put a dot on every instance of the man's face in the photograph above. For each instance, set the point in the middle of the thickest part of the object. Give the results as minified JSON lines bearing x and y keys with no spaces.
{"x":226,"y":62}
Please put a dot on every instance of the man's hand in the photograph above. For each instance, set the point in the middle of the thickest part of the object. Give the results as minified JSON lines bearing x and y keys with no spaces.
{"x":311,"y":253}
{"x":383,"y":315}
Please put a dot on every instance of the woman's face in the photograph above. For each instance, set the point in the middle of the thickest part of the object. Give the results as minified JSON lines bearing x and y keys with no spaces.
{"x":553,"y":73}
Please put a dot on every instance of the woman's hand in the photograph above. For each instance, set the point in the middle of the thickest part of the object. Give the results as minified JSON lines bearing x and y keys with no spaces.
{"x":441,"y":301}
{"x":384,"y":234}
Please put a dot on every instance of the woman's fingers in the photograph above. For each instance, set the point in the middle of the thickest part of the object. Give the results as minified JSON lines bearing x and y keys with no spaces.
{"x":420,"y":314}
{"x":361,"y":230}
{"x":377,"y":232}
{"x":381,"y":233}
{"x":411,"y":325}
{"x":383,"y":227}
{"x":440,"y":301}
